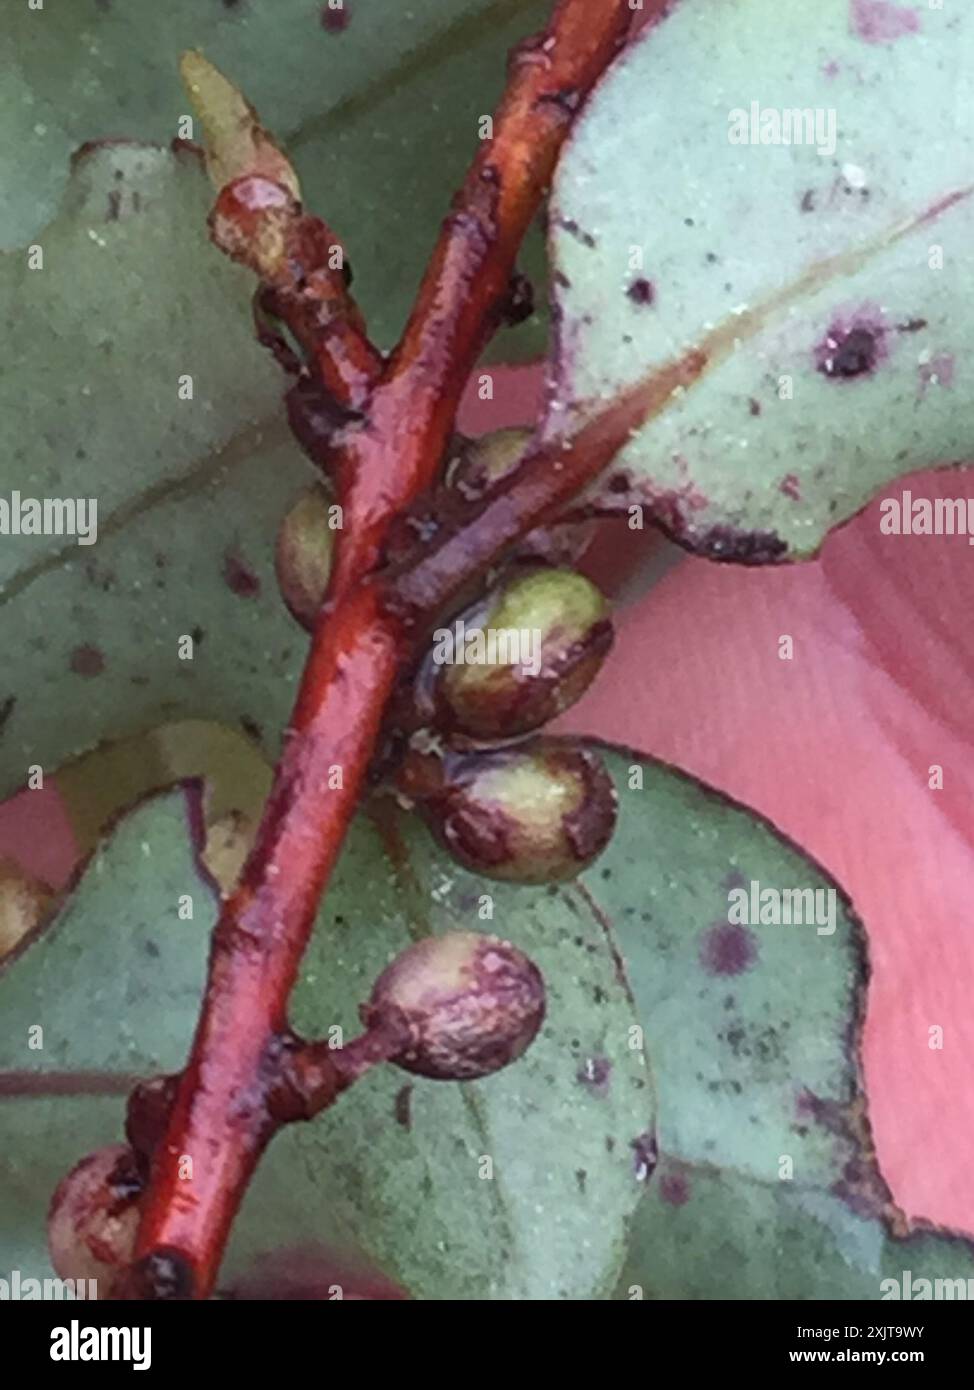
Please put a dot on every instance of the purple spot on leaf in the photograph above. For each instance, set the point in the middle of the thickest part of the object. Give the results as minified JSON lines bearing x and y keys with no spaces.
{"x":880,"y":21}
{"x":641,"y":291}
{"x":674,"y":1189}
{"x":594,"y":1073}
{"x":87,"y":661}
{"x":854,"y":344}
{"x":335,"y":18}
{"x":239,"y":577}
{"x":728,"y":949}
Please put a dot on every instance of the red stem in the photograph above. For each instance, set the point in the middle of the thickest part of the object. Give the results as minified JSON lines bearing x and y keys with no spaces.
{"x":222,"y":1116}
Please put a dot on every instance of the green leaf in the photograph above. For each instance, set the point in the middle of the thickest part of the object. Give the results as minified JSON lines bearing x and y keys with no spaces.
{"x":130,"y":302}
{"x":398,"y":1170}
{"x":360,"y":109}
{"x":806,"y":274}
{"x":114,"y":984}
{"x":767,"y":1184}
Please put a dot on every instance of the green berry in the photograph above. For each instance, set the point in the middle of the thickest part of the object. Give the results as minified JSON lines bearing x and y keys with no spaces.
{"x":470,"y":1004}
{"x":302,"y":557}
{"x":479,"y":463}
{"x":530,"y":653}
{"x":537,"y":813}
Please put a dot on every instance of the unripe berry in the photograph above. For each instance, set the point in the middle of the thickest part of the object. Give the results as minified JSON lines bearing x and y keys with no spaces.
{"x":471,"y":1004}
{"x":479,"y":463}
{"x":547,"y":633}
{"x":302,"y":557}
{"x":537,"y":813}
{"x":94,"y":1216}
{"x":476,"y":465}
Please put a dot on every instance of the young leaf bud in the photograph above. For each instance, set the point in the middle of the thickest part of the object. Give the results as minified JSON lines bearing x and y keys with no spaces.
{"x":535,"y":651}
{"x":538,"y":813}
{"x":302,"y":557}
{"x":94,"y":1215}
{"x":470,"y":1003}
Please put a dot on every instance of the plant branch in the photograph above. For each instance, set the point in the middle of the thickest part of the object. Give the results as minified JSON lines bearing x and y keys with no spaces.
{"x":224,"y":1112}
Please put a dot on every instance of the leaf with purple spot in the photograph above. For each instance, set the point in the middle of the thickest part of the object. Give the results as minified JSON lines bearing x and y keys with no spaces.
{"x":821,"y":274}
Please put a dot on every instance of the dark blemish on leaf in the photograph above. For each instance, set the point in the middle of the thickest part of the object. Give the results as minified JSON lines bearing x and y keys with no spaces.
{"x":403,"y":1107}
{"x":674,"y":1189}
{"x":569,"y":225}
{"x":114,"y":205}
{"x":197,"y":635}
{"x":911,"y":326}
{"x":850,"y":356}
{"x":641,"y":291}
{"x":151,"y":949}
{"x":854,"y":344}
{"x":881,"y":21}
{"x":753,"y":406}
{"x":740,"y":547}
{"x":754,"y":1043}
{"x":728,"y":949}
{"x":580,"y":1176}
{"x":711,"y":258}
{"x":251,"y":728}
{"x":239,"y":577}
{"x":594,"y":1074}
{"x":87,"y":661}
{"x":689,"y":222}
{"x":610,"y":1143}
{"x":645,"y":1155}
{"x":791,"y":487}
{"x":808,"y":201}
{"x":6,"y":710}
{"x":335,"y":21}
{"x":562,"y":280}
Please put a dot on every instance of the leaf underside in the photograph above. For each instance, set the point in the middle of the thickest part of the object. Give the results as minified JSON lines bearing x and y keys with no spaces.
{"x":808,"y":275}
